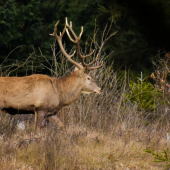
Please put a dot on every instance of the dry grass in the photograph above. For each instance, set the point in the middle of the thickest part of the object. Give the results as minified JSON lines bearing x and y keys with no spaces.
{"x":82,"y":148}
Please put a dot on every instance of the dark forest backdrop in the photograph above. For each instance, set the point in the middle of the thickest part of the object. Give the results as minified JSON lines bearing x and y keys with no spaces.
{"x":143,"y":27}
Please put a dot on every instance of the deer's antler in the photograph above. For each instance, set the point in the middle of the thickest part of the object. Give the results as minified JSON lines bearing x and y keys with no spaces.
{"x":76,"y":40}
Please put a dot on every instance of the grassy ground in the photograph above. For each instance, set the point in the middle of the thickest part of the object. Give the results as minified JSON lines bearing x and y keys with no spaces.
{"x":80,"y":146}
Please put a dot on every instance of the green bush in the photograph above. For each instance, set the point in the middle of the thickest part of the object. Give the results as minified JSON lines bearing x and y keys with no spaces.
{"x":144,"y":94}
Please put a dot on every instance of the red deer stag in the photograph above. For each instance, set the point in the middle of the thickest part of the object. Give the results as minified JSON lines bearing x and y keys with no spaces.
{"x":44,"y":95}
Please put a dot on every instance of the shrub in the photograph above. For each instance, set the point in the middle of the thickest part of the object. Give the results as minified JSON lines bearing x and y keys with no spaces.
{"x":144,"y":94}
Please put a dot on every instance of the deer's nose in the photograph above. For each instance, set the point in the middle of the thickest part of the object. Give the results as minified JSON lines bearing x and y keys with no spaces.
{"x":99,"y":91}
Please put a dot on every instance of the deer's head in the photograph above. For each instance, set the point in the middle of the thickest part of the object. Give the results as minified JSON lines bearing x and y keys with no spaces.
{"x":81,"y":71}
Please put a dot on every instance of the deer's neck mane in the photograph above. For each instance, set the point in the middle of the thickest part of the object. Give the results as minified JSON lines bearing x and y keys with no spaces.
{"x":69,"y":88}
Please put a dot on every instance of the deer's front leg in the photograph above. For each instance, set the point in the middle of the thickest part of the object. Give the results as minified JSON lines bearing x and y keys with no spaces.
{"x":39,"y":119}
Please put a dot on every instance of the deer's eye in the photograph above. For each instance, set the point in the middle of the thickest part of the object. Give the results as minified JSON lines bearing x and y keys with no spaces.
{"x":88,"y":78}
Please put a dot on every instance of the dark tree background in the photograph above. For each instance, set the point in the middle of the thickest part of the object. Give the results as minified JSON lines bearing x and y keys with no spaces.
{"x":143,"y":27}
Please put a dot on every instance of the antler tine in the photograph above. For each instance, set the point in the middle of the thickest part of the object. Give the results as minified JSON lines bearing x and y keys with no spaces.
{"x":92,"y":68}
{"x":81,"y":32}
{"x":73,"y":53}
{"x":54,"y":34}
{"x":91,"y":62}
{"x":70,"y":36}
{"x":66,"y":21}
{"x":85,"y":56}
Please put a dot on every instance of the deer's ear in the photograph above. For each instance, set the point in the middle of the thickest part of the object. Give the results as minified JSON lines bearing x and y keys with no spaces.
{"x":81,"y":72}
{"x":76,"y":68}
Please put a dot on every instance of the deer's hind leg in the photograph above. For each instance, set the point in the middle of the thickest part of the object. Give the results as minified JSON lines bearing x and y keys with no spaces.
{"x":54,"y":118}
